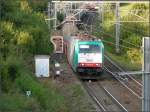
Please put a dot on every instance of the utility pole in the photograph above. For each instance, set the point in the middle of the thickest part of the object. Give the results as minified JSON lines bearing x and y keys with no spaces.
{"x":71,"y":7}
{"x":117,"y":27}
{"x":49,"y":6}
{"x":0,"y":80}
{"x":102,"y":11}
{"x":0,"y":56}
{"x":146,"y":75}
{"x":55,"y":15}
{"x":101,"y":15}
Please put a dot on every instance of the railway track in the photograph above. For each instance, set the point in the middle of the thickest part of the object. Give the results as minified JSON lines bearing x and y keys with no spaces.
{"x":127,"y":81}
{"x":103,"y":98}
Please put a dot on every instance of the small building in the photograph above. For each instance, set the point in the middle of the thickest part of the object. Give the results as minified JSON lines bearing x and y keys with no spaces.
{"x":42,"y":65}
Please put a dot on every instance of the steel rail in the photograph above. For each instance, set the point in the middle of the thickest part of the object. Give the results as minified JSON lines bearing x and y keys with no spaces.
{"x":88,"y":89}
{"x":113,"y":74}
{"x":112,"y":97}
{"x":115,"y":99}
{"x":99,"y":99}
{"x":122,"y":70}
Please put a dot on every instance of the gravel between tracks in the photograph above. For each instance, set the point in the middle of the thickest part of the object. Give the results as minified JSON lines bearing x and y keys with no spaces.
{"x":71,"y":88}
{"x":106,"y":100}
{"x":128,"y":100}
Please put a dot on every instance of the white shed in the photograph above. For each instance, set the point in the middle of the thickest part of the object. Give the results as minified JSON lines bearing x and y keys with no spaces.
{"x":42,"y":65}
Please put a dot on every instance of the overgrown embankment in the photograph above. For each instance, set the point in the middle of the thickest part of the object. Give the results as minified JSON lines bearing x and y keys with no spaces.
{"x":23,"y":34}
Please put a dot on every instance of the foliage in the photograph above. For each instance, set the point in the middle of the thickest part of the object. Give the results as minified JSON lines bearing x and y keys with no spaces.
{"x":38,"y":5}
{"x":134,"y":55}
{"x":131,"y":33}
{"x":135,"y":39}
{"x":8,"y":6}
{"x":23,"y":38}
{"x":21,"y":24}
{"x":7,"y":34}
{"x":7,"y":31}
{"x":142,"y":7}
{"x":9,"y":72}
{"x":48,"y":98}
{"x":18,"y":103}
{"x":24,"y":33}
{"x":25,"y":6}
{"x":124,"y":61}
{"x":60,"y":16}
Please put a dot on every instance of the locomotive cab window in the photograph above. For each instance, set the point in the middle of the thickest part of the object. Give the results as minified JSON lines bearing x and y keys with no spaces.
{"x":87,"y":48}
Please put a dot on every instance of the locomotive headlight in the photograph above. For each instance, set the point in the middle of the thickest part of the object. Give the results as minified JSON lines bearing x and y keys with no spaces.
{"x":97,"y":64}
{"x":82,"y":64}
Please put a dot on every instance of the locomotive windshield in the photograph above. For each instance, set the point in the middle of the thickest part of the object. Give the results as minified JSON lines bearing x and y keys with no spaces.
{"x":86,"y":48}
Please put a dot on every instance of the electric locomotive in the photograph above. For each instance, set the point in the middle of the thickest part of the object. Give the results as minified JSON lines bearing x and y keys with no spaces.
{"x":85,"y":55}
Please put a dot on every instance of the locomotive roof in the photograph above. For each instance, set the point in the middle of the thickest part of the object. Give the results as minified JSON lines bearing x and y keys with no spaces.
{"x":85,"y":37}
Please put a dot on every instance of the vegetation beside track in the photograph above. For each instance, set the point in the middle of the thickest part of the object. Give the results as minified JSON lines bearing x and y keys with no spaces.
{"x":78,"y":101}
{"x":124,"y":62}
{"x":23,"y":34}
{"x":131,"y":34}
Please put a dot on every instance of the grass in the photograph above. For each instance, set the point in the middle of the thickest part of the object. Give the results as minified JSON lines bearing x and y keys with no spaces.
{"x":121,"y":59}
{"x":124,"y":62}
{"x":44,"y":97}
{"x":18,"y":103}
{"x":78,"y":100}
{"x":47,"y":96}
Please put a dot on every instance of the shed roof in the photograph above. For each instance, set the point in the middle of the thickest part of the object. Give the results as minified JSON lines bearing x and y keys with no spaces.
{"x":42,"y":56}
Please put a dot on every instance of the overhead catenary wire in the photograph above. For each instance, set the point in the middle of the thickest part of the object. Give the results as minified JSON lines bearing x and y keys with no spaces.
{"x":127,"y":31}
{"x":115,"y":44}
{"x":85,"y":27}
{"x":119,"y":45}
{"x":121,"y":39}
{"x":131,"y":12}
{"x":129,"y":28}
{"x":137,"y":16}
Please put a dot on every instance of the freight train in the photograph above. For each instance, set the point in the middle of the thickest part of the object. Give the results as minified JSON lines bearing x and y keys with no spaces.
{"x":84,"y":53}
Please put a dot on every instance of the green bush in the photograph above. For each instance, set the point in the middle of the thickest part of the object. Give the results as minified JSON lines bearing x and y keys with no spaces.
{"x":9,"y":72}
{"x":23,"y":34}
{"x":18,"y":103}
{"x":38,"y":5}
{"x":7,"y":32}
{"x":60,"y":17}
{"x":140,"y":7}
{"x":135,"y":39}
{"x":48,"y":98}
{"x":23,"y":19}
{"x":134,"y":55}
